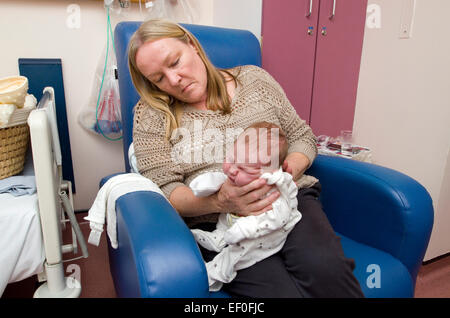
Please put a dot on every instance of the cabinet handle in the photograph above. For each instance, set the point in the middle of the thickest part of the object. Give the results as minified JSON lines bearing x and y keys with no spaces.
{"x":333,"y":13}
{"x":310,"y":8}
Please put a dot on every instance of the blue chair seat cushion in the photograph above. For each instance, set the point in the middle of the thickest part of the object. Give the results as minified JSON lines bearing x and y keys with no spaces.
{"x":379,"y":273}
{"x":394,"y":282}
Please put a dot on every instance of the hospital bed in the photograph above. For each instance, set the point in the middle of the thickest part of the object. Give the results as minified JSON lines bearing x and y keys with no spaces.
{"x":31,"y":225}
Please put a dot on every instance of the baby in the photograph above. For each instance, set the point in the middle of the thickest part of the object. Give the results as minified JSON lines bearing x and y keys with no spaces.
{"x":243,"y":241}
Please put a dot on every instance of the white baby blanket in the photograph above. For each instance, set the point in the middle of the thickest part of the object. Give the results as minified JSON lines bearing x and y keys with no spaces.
{"x":243,"y":241}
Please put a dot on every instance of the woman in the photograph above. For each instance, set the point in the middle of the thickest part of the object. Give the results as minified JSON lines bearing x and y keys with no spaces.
{"x":182,"y":91}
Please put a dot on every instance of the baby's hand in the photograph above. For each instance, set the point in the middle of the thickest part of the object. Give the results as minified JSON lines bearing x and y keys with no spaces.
{"x":288,"y":169}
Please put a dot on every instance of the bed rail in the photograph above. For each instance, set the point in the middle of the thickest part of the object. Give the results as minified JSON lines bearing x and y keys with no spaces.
{"x":54,"y":198}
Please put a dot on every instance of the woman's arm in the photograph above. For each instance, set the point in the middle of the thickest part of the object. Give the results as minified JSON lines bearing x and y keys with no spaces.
{"x":302,"y":142}
{"x":296,"y":164}
{"x":153,"y":152}
{"x":188,"y":205}
{"x":244,"y":200}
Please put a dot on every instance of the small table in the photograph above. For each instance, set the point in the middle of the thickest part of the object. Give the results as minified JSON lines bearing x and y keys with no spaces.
{"x":359,"y":153}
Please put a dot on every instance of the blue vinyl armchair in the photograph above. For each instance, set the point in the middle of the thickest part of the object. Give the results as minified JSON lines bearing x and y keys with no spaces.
{"x":384,"y":218}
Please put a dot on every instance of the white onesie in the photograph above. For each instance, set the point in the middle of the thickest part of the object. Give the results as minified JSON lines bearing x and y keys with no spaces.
{"x":243,"y":241}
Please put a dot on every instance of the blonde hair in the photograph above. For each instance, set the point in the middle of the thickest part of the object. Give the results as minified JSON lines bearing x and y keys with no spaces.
{"x":217,"y":94}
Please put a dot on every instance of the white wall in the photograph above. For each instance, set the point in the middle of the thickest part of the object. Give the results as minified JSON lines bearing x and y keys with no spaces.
{"x":239,"y":14}
{"x":403,"y":102}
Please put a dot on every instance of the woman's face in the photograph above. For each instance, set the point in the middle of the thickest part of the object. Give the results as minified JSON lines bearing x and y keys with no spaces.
{"x":175,"y":68}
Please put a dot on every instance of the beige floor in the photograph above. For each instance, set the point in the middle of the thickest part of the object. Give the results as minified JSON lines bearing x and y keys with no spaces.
{"x":433,"y":280}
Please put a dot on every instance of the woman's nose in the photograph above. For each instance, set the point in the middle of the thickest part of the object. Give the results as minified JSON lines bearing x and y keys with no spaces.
{"x":174,"y":78}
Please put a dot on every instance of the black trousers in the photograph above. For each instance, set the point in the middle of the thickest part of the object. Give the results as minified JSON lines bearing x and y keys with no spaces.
{"x":310,"y":264}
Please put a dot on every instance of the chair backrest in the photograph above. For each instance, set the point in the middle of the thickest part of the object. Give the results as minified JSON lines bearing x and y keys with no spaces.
{"x":225,"y":48}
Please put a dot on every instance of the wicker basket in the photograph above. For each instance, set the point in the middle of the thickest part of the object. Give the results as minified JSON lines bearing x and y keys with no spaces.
{"x":13,"y":148}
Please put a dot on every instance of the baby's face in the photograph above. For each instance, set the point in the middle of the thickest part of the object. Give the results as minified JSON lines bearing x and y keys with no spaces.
{"x":242,"y":174}
{"x":245,"y":171}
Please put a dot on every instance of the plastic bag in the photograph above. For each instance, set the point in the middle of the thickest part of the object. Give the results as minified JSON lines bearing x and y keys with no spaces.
{"x":175,"y":10}
{"x":102,"y":114}
{"x":108,"y":118}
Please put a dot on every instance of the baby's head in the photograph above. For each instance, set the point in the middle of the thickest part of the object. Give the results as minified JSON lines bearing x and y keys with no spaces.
{"x":261,"y":147}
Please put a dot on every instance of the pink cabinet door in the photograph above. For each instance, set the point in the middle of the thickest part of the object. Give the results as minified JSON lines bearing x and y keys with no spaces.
{"x":288,"y":50}
{"x":338,"y":58}
{"x":318,"y":71}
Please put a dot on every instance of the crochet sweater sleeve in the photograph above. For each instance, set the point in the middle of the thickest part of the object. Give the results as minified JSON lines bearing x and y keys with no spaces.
{"x":153,"y":151}
{"x":299,"y":134}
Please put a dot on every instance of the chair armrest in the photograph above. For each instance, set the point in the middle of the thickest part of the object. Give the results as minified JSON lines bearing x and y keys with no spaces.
{"x":377,"y":206}
{"x":157,"y":255}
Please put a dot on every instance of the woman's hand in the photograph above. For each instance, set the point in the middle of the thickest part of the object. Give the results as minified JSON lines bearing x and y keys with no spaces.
{"x":296,"y":164}
{"x":250,"y":199}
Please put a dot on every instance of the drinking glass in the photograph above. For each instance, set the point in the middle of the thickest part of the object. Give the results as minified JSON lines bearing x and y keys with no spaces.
{"x":346,"y":142}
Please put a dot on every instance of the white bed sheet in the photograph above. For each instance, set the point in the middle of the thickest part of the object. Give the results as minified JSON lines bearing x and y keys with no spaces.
{"x":22,"y":251}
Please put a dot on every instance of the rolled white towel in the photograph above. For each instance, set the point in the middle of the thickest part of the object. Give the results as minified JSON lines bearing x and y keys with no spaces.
{"x":104,"y":206}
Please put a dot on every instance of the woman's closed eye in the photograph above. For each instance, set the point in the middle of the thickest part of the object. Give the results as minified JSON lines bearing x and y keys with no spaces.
{"x":173,"y":64}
